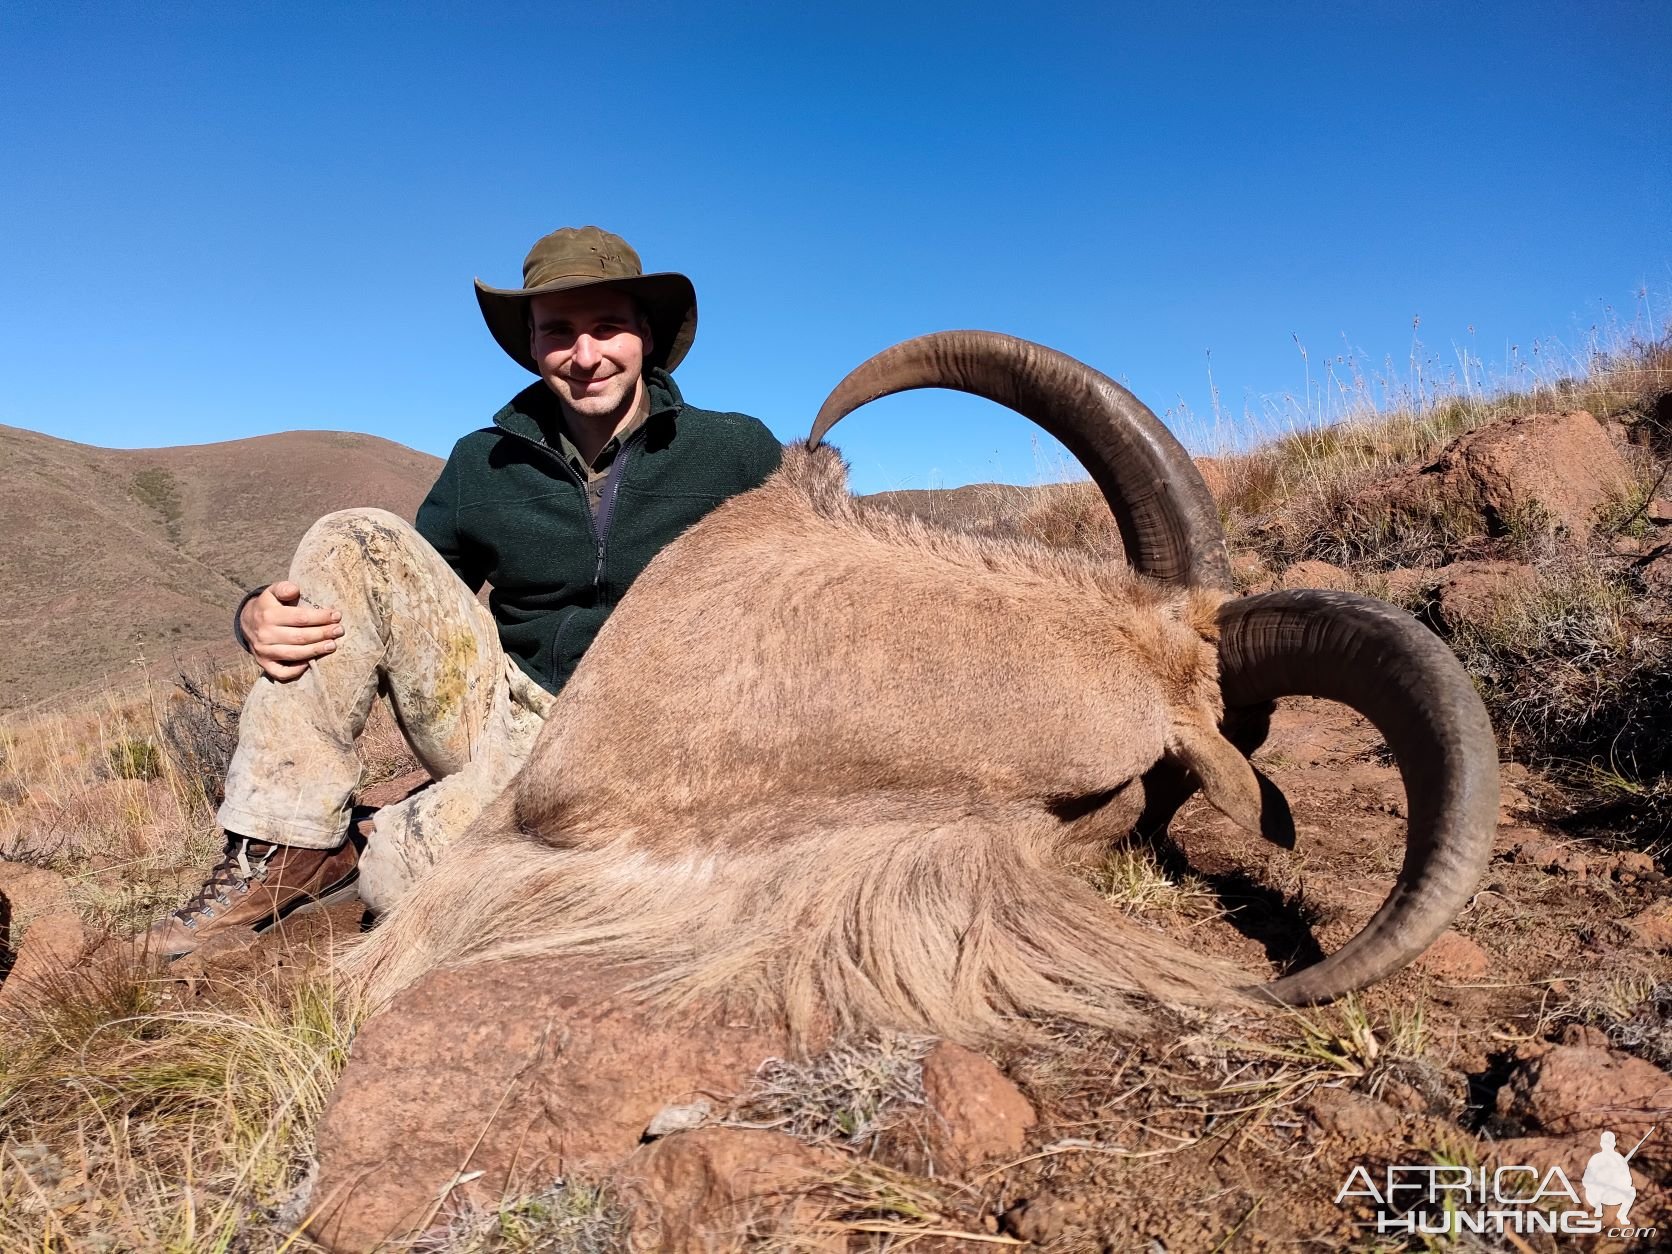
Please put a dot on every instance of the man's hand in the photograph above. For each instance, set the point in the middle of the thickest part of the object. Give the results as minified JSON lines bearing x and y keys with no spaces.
{"x":286,"y":635}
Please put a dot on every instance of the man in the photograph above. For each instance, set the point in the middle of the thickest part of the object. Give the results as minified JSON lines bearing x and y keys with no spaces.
{"x":559,"y":504}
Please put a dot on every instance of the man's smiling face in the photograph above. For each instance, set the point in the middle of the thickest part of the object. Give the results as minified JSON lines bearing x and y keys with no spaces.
{"x":590,"y":346}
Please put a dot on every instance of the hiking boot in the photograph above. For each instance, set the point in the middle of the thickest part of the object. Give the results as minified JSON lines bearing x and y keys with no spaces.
{"x":252,"y":887}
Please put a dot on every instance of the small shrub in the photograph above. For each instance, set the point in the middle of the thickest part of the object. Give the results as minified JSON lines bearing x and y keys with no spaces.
{"x":201,"y":731}
{"x":1577,"y":685}
{"x":135,"y":758}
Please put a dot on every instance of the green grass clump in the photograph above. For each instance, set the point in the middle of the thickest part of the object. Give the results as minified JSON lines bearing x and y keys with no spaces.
{"x":135,"y":758}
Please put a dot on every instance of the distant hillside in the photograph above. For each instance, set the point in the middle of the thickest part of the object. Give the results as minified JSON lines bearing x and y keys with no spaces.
{"x":118,"y":555}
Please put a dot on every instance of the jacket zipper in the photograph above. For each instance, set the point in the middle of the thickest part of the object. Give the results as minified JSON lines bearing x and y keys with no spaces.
{"x":599,"y":537}
{"x":606,"y":504}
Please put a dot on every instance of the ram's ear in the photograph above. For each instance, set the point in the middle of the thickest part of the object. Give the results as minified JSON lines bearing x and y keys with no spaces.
{"x":1231,"y":784}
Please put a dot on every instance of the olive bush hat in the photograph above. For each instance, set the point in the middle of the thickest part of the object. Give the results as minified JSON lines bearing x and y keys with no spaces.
{"x":586,"y":256}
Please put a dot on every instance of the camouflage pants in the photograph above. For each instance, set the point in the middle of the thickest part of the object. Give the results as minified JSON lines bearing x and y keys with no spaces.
{"x":413,"y":631}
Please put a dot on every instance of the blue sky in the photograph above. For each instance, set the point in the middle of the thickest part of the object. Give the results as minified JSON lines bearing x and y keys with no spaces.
{"x":218,"y":221}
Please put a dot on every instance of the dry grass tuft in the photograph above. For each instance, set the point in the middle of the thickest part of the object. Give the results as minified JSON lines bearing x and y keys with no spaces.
{"x":129,"y":1121}
{"x":851,"y":1093}
{"x":133,"y":1125}
{"x":571,"y":1217}
{"x":1132,"y":879}
{"x":1633,"y":1008}
{"x":1071,"y":516}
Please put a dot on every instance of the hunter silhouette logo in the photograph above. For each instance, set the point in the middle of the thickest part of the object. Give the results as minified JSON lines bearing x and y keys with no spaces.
{"x":1608,"y":1181}
{"x":1444,"y":1199}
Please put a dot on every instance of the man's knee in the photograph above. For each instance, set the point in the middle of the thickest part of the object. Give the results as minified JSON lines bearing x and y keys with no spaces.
{"x":363,"y":534}
{"x":362,"y":521}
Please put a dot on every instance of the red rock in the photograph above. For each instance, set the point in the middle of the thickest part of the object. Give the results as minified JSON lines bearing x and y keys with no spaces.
{"x":975,"y":1114}
{"x":1632,"y":865}
{"x":725,"y":1188}
{"x":524,"y":1071}
{"x":1403,"y":586}
{"x":1561,"y":467}
{"x":27,"y":892}
{"x":1315,"y":574}
{"x":35,"y":904}
{"x":1534,"y":848}
{"x":1586,"y":1035}
{"x":52,"y":945}
{"x":1454,"y":957}
{"x":1659,"y":511}
{"x":1651,"y":927}
{"x":1514,"y":797}
{"x":1248,"y":568}
{"x":1656,"y":572}
{"x":1481,"y":593}
{"x":1043,"y":1220}
{"x":1564,"y":1089}
{"x":1351,"y":1117}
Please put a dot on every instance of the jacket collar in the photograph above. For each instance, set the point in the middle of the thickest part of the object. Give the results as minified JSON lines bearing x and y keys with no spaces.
{"x":533,"y":413}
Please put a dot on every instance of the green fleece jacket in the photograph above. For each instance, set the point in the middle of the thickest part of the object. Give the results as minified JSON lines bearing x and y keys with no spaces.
{"x":510,"y":511}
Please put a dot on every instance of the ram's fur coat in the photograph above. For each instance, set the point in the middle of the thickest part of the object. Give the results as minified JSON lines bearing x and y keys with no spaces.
{"x":834,"y":765}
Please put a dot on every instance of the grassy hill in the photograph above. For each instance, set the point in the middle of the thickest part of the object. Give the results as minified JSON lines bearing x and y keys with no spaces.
{"x":125,"y":557}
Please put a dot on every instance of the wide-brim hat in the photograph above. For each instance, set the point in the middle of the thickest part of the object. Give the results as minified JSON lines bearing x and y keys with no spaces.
{"x":576,"y":257}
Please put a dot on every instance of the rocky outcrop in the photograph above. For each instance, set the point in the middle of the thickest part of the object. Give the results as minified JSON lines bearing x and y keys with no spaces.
{"x":1565,"y":1089}
{"x":486,"y":1082}
{"x":1479,"y":594}
{"x":482,"y":1082}
{"x":725,"y":1188}
{"x":1555,"y":468}
{"x":48,"y":936}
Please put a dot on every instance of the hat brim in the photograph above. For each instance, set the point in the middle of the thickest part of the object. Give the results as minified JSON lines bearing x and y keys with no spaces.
{"x":668,"y":300}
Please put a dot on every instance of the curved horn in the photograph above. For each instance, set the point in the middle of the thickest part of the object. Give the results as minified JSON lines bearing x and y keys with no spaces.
{"x":1168,"y":521}
{"x":1384,"y":664}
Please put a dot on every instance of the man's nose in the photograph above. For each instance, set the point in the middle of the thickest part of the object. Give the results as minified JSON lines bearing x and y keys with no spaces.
{"x":586,"y":352}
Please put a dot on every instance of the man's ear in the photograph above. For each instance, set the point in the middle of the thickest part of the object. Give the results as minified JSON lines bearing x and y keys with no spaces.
{"x":647,"y":334}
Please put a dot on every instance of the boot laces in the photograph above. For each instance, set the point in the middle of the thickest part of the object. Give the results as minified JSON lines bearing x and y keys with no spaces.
{"x":232,"y":873}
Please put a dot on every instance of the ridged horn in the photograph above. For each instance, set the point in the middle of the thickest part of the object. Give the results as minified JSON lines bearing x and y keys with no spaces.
{"x":1167,"y":518}
{"x":1381,"y":662}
